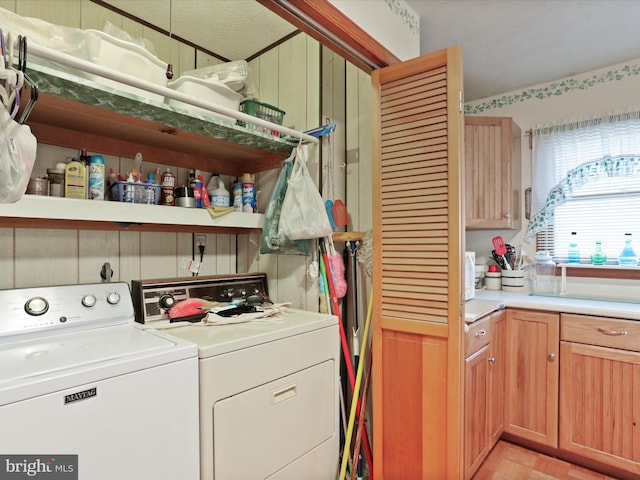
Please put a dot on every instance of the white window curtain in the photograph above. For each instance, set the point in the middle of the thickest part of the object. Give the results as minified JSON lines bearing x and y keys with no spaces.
{"x":570,"y":155}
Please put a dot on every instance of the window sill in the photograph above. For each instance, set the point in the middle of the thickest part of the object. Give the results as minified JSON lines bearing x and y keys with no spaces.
{"x":598,"y":271}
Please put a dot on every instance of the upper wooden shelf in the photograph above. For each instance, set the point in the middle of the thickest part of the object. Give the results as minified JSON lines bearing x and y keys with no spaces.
{"x":76,"y":113}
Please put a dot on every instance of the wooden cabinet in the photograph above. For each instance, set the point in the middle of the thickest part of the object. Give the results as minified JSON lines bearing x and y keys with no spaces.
{"x":600,"y":390}
{"x":484,"y":389}
{"x":492,"y":173}
{"x":477,"y":399}
{"x":532,"y":372}
{"x":497,"y":364}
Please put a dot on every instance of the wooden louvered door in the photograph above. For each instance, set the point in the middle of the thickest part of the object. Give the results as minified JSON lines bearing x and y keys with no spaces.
{"x":418,"y":249}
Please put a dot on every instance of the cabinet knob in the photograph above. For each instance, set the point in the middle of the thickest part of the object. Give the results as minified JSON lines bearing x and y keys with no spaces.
{"x":552,"y":356}
{"x":507,"y":215}
{"x":481,"y":333}
{"x":492,"y":359}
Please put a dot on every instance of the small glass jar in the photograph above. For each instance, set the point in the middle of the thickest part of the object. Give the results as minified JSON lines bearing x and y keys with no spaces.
{"x":545,"y":273}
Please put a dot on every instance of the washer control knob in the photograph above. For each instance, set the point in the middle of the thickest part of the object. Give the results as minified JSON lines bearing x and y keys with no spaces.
{"x":167,"y":301}
{"x":89,"y":300}
{"x":36,"y":306}
{"x":113,"y":298}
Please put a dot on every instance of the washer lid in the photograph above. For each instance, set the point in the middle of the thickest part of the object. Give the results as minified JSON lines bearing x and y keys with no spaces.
{"x":100,"y":352}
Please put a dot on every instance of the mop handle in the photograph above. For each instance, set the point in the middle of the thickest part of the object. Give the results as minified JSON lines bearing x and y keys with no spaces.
{"x":356,"y":394}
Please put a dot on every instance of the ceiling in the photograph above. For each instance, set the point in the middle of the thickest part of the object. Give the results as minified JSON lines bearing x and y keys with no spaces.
{"x":506,"y":44}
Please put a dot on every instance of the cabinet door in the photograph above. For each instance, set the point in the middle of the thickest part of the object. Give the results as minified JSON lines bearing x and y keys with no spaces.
{"x":418,"y":233}
{"x":477,"y":401}
{"x":497,"y":362}
{"x":600,"y":404}
{"x":532,"y":375}
{"x":492,"y":173}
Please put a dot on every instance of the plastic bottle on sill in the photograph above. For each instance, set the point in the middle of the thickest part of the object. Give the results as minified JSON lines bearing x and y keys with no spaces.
{"x":628,"y":255}
{"x":574,"y":251}
{"x":598,"y":257}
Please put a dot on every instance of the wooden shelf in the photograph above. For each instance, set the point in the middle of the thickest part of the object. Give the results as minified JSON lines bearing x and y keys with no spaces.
{"x":75,"y":112}
{"x":33,"y":211}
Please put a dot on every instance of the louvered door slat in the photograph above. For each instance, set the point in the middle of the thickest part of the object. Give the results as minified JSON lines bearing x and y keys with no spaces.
{"x":414,"y":183}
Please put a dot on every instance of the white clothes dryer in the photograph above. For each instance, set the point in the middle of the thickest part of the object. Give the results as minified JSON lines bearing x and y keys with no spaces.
{"x":269,"y":390}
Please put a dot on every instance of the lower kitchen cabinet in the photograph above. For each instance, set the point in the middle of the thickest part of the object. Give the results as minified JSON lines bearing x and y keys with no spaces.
{"x":600,"y":390}
{"x":532,"y":373}
{"x":484,"y":389}
{"x":497,"y":364}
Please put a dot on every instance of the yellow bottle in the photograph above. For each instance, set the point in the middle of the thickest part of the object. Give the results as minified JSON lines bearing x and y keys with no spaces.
{"x":75,"y":185}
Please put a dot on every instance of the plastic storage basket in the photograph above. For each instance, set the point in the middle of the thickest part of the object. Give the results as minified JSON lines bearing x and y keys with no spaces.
{"x":265,"y":112}
{"x":133,"y":192}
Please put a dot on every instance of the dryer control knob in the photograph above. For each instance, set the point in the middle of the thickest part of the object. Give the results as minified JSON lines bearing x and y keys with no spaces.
{"x":89,"y":300}
{"x":167,"y":301}
{"x":36,"y":306}
{"x":113,"y":298}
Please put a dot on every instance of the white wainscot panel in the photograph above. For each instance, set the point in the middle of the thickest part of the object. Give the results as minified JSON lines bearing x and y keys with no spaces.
{"x":158,"y":255}
{"x":96,"y":248}
{"x":45,"y":257}
{"x":6,"y":259}
{"x":129,"y":257}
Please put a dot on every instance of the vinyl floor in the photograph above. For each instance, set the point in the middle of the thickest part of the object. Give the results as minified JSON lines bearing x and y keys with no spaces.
{"x":512,"y":462}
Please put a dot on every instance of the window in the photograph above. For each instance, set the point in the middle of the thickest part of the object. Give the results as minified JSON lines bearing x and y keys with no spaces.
{"x":603,"y":210}
{"x":586,"y":179}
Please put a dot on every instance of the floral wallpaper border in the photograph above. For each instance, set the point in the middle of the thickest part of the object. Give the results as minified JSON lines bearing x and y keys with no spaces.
{"x":407,"y":16}
{"x":554,"y":89}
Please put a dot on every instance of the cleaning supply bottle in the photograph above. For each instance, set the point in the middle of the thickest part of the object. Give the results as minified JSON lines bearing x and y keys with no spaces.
{"x":574,"y":251}
{"x":248,"y":193}
{"x":628,"y":255}
{"x":75,"y":185}
{"x":96,"y":177}
{"x":196,"y":184}
{"x":218,"y":193}
{"x":237,"y":196}
{"x":598,"y":257}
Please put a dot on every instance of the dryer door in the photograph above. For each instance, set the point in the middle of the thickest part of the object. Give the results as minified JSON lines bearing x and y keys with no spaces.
{"x":262,"y":430}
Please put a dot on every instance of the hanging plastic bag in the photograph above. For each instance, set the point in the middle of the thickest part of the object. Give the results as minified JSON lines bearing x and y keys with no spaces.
{"x":17,"y":155}
{"x":304,"y":215}
{"x":273,"y":240}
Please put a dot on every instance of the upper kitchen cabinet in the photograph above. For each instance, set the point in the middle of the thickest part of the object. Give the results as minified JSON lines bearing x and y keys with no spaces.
{"x":492,"y":178}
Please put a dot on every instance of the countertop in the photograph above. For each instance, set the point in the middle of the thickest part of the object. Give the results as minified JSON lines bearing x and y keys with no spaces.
{"x":487,"y":301}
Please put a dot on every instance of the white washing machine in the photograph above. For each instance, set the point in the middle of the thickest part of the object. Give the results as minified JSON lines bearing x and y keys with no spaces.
{"x":85,"y":391}
{"x":269,"y":398}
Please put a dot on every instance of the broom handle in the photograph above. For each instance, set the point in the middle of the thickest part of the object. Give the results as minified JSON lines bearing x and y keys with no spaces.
{"x":345,"y":349}
{"x":355,"y":401}
{"x":365,"y":395}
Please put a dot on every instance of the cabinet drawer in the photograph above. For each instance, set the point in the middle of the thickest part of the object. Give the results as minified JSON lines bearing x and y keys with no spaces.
{"x":478,"y":335}
{"x":603,"y":331}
